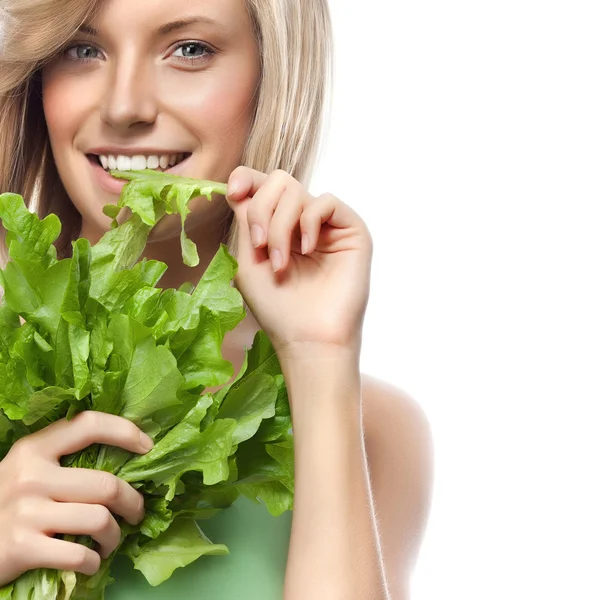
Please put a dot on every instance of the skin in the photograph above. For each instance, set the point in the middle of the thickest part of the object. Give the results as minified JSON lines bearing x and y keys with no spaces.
{"x":312,"y":263}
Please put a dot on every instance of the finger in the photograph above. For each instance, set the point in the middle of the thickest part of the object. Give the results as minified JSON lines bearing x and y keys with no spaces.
{"x":52,"y":553}
{"x":87,"y":428}
{"x":285,"y":220}
{"x":325,"y":209}
{"x":69,"y":484}
{"x":243,"y":182}
{"x":70,"y":518}
{"x":254,"y":217}
{"x":262,"y":207}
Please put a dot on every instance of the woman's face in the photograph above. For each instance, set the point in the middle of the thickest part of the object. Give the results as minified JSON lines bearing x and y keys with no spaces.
{"x":171,"y":80}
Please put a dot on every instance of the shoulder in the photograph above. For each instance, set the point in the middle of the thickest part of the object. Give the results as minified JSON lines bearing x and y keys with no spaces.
{"x":388,"y":408}
{"x":399,"y":446}
{"x":397,"y":430}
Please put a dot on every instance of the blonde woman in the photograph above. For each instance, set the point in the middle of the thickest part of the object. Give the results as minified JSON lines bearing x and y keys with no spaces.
{"x":226,"y":90}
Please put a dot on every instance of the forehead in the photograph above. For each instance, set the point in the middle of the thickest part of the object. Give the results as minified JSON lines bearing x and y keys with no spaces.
{"x":156,"y":16}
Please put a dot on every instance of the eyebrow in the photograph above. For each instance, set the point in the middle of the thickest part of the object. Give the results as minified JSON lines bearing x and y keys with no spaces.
{"x":163,"y":29}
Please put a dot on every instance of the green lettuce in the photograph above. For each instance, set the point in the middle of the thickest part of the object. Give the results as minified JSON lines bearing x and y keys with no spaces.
{"x":94,"y":332}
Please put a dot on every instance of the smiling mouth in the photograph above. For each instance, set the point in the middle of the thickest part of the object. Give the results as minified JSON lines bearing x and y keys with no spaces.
{"x":178,"y":160}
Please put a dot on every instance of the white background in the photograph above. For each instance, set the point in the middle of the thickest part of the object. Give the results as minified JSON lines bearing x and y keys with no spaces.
{"x":461,"y":132}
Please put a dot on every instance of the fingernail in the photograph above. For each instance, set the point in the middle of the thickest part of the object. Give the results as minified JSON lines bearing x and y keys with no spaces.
{"x":257,"y":235}
{"x":146,"y":442}
{"x":305,"y":243}
{"x":233,"y":187}
{"x":276,"y":259}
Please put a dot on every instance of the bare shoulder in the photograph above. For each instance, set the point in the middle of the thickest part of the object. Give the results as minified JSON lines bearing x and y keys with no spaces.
{"x":399,"y":448}
{"x":386,"y":404}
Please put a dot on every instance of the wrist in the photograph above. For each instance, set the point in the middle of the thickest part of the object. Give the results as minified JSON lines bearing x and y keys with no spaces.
{"x":321,"y":381}
{"x":297,"y":354}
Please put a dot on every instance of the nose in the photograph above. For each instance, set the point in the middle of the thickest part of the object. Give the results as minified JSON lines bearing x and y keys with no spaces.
{"x":129,"y":98}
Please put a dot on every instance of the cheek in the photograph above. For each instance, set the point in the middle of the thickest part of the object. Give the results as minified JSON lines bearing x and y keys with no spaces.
{"x":217,"y":105}
{"x":60,"y":109}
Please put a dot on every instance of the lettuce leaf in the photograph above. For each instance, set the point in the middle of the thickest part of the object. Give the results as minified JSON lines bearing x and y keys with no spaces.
{"x":181,"y":544}
{"x":94,"y":332}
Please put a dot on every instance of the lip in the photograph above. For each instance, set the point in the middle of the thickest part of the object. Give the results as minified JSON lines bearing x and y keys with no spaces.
{"x":114,"y":185}
{"x":126,"y":151}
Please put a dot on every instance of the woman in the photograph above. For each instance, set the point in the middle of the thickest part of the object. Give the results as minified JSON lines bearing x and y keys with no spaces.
{"x":231,"y":90}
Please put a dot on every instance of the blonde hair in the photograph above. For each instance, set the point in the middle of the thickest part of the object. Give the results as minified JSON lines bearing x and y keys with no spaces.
{"x":295,"y":46}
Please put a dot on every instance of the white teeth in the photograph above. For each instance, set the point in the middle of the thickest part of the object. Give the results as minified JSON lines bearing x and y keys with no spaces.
{"x":139,"y":162}
{"x":123,"y":163}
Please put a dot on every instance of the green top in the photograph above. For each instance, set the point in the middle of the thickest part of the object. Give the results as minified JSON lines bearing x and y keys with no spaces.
{"x":254,"y":569}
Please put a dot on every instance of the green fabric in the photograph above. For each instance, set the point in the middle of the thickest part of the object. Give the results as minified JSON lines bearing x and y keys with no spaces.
{"x":254,"y":569}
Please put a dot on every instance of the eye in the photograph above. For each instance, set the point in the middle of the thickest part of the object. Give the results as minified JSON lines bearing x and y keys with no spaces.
{"x":81,"y":52}
{"x":193,"y":52}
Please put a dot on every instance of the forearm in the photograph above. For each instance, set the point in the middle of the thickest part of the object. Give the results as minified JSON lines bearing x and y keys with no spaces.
{"x":334,"y":551}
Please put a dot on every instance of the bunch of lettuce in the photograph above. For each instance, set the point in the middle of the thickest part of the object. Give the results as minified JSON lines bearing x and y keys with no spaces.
{"x":96,"y":333}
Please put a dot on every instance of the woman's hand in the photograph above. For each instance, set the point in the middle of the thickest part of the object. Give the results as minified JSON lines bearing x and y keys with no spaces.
{"x":316,"y":294}
{"x":39,"y":498}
